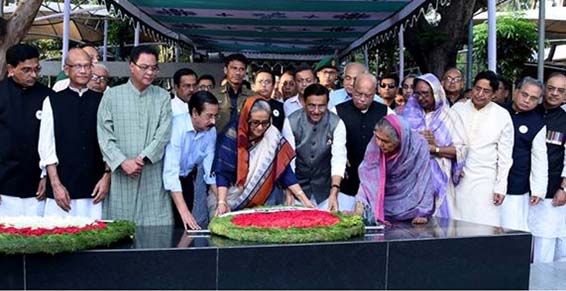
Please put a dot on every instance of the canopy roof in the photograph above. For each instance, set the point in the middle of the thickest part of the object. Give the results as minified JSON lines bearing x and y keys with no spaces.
{"x":298,"y":29}
{"x":85,"y":25}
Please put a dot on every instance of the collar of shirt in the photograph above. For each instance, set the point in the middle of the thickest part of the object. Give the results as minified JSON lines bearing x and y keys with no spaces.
{"x":79,"y":91}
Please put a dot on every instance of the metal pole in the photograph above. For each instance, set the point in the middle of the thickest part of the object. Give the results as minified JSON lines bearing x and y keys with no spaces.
{"x":491,"y":36}
{"x":366,"y":57}
{"x":137,"y":35}
{"x":541,"y":27}
{"x":105,"y":43}
{"x":401,"y":53}
{"x":66,"y":30}
{"x":177,"y":53}
{"x":469,"y":60}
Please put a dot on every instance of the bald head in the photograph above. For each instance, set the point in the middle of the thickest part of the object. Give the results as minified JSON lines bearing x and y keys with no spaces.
{"x":78,"y":67}
{"x":555,"y":91}
{"x":364,"y":91}
{"x":92,"y":52}
{"x":351,"y":72}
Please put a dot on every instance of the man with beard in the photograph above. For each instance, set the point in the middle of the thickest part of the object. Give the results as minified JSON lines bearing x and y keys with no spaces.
{"x":21,"y":98}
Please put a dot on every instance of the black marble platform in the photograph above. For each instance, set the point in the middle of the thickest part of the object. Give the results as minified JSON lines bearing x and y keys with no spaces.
{"x":443,"y":254}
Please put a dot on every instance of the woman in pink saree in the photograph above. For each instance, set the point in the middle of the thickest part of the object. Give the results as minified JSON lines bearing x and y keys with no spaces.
{"x":395,"y":176}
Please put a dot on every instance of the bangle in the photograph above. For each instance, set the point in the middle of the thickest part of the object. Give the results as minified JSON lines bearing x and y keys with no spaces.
{"x":437,"y":150}
{"x":221,"y":202}
{"x":299,"y":193}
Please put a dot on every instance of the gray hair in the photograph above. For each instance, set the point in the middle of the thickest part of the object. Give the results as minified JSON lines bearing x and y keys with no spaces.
{"x":355,"y":64}
{"x":261,"y":105}
{"x":531,"y":81}
{"x":100,"y":65}
{"x":365,"y":76}
{"x":384,"y":125}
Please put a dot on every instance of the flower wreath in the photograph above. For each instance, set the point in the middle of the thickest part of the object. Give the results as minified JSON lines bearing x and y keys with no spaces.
{"x":28,"y":235}
{"x":287,"y":225}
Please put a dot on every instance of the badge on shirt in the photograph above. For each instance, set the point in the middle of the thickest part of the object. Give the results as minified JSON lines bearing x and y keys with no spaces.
{"x":276,"y":113}
{"x":38,"y":114}
{"x":523,"y":129}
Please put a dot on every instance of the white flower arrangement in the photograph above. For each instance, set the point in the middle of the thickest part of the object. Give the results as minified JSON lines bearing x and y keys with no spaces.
{"x":48,"y":222}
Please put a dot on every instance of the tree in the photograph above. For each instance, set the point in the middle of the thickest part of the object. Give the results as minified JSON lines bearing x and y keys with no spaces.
{"x":517,"y":40}
{"x":434,"y":48}
{"x":14,"y":29}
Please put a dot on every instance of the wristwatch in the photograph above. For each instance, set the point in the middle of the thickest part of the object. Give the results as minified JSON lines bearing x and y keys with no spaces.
{"x":562,"y":188}
{"x":336,"y":186}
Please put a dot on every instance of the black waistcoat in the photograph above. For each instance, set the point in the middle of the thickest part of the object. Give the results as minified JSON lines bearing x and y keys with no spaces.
{"x":20,"y":114}
{"x":555,"y":120}
{"x":527,"y":125}
{"x":359,"y":131}
{"x":80,"y":161}
{"x":277,"y":113}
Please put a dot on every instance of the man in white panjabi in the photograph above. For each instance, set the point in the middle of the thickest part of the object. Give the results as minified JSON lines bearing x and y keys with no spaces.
{"x":490,"y":133}
{"x":528,"y":176}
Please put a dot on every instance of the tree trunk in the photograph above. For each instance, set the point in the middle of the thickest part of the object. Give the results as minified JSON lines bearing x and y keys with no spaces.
{"x":16,"y":28}
{"x":435,"y":48}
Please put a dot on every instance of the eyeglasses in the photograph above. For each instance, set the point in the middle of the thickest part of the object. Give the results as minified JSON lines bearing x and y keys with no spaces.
{"x":453,"y":80}
{"x":205,"y":87}
{"x":264,"y":82}
{"x":147,"y":68}
{"x":99,"y":79}
{"x":528,"y":97}
{"x":390,"y":85}
{"x":422,"y":94}
{"x":313,"y":107}
{"x":361,"y":95}
{"x":257,"y":123}
{"x":79,"y":67}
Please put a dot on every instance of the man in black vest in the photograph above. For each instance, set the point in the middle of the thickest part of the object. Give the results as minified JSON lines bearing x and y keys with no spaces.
{"x":528,"y":177}
{"x":319,"y":138}
{"x":547,"y":220}
{"x":360,"y":114}
{"x":264,"y":83}
{"x":68,"y":145}
{"x":21,"y":96}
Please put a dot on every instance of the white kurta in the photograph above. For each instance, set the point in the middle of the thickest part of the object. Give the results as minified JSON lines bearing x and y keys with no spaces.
{"x":179,"y":106}
{"x":490,"y":135}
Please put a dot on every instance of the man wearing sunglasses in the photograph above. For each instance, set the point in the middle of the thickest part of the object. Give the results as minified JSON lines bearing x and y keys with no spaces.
{"x":388,"y":87}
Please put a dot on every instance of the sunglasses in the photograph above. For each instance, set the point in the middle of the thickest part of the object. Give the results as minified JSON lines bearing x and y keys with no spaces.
{"x":390,"y":85}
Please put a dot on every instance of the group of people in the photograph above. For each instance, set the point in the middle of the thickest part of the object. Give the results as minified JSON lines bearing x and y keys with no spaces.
{"x":387,"y":150}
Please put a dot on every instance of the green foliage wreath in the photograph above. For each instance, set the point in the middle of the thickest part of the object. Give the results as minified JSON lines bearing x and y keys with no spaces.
{"x":57,"y":243}
{"x":349,"y":226}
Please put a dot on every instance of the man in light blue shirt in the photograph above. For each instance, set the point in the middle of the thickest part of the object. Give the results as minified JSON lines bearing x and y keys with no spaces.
{"x":351,"y":72}
{"x":193,"y":139}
